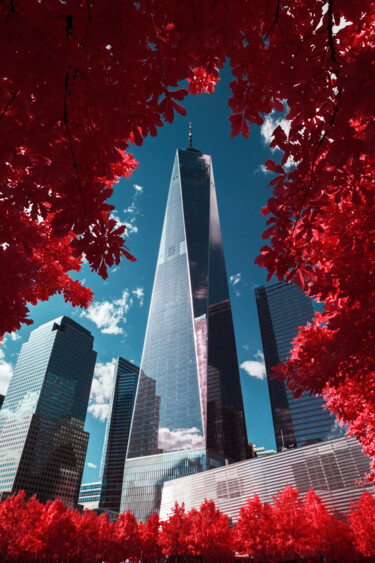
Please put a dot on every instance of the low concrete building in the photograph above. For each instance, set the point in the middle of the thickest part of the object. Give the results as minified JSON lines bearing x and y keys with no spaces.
{"x":331,"y":468}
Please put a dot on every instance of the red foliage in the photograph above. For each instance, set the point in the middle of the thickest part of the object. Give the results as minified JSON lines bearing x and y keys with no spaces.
{"x":80,"y":83}
{"x":291,"y":528}
{"x":174,"y":534}
{"x":362,"y":524}
{"x":149,"y":533}
{"x":127,"y":536}
{"x":210,"y":535}
{"x":253,"y":537}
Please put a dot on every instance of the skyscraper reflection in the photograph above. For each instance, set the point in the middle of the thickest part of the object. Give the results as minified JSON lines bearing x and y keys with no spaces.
{"x":189,"y":351}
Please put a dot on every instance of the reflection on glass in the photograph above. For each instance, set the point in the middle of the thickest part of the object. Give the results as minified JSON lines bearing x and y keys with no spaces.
{"x":189,"y":353}
{"x":282,"y":308}
{"x":42,"y":440}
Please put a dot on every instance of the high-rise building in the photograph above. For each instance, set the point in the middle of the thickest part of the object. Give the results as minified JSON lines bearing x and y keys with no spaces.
{"x":282,"y":308}
{"x":89,"y":495}
{"x":188,"y":414}
{"x":117,"y":434}
{"x":42,"y":440}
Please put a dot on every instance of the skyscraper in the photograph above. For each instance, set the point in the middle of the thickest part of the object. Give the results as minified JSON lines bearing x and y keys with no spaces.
{"x":42,"y":440}
{"x":117,"y":434}
{"x":188,"y":415}
{"x":282,"y":308}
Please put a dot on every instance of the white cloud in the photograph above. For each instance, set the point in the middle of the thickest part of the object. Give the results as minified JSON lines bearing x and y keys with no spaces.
{"x":13,"y":336}
{"x":270,"y":123}
{"x":180,"y":439}
{"x":132,"y":210}
{"x":6,"y":372}
{"x":131,"y":227}
{"x":235,"y":279}
{"x":101,"y":389}
{"x":139,"y":293}
{"x":108,"y":315}
{"x":256,"y":367}
{"x":99,"y":411}
{"x":91,"y":465}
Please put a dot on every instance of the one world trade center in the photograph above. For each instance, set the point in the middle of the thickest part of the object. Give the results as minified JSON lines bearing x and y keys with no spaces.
{"x":188,"y":415}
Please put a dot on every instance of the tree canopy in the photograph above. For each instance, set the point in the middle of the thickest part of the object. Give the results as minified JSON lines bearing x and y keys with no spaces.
{"x":292,"y":527}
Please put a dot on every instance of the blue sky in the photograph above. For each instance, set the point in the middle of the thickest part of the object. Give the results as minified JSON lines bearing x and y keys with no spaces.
{"x":118,"y":316}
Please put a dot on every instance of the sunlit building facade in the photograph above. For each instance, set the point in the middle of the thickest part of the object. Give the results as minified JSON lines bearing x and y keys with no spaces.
{"x":89,"y":495}
{"x":188,"y":414}
{"x":282,"y":308}
{"x":42,"y":439}
{"x":334,"y":470}
{"x":117,"y":434}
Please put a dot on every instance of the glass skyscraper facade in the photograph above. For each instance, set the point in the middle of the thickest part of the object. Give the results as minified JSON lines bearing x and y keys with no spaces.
{"x":42,"y":440}
{"x":282,"y":308}
{"x":117,"y":434}
{"x":188,"y":415}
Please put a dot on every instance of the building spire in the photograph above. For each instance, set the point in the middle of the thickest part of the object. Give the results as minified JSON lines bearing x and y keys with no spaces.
{"x":190,"y":136}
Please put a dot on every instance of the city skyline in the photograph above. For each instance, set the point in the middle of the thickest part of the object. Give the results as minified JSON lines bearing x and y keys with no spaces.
{"x":241,"y":191}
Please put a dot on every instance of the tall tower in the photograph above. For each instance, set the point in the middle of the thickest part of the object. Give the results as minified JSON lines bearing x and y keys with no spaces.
{"x":282,"y":308}
{"x":42,"y":441}
{"x":188,"y":415}
{"x":117,"y":434}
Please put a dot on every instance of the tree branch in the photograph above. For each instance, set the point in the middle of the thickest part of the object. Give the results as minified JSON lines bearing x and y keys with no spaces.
{"x":13,"y":97}
{"x":68,"y":131}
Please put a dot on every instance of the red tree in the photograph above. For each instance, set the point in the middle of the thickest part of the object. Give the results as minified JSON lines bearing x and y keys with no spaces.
{"x":149,"y":533}
{"x":19,"y":522}
{"x":127,"y":536}
{"x":210,"y":536}
{"x":291,"y":529}
{"x":173,"y":537}
{"x":254,"y":530}
{"x":84,"y":547}
{"x":362,"y":524}
{"x":329,"y":537}
{"x":55,"y":531}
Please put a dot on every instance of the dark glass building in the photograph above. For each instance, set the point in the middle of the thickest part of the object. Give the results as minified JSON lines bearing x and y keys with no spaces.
{"x":188,"y":415}
{"x":42,"y":440}
{"x":2,"y":397}
{"x":117,"y":434}
{"x":282,"y":308}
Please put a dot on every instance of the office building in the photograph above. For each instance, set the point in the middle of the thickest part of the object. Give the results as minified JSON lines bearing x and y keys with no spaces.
{"x":117,"y":434}
{"x":42,"y":439}
{"x":332,"y":469}
{"x":89,"y":495}
{"x":188,"y":414}
{"x":282,"y":308}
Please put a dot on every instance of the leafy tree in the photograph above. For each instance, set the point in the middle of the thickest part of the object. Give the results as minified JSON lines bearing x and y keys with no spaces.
{"x":253,"y":534}
{"x":18,"y":524}
{"x":362,"y":523}
{"x":174,"y":534}
{"x":84,"y":547}
{"x":291,"y":528}
{"x":329,"y":537}
{"x":127,"y":536}
{"x":56,"y":531}
{"x":210,"y":535}
{"x":149,"y":534}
